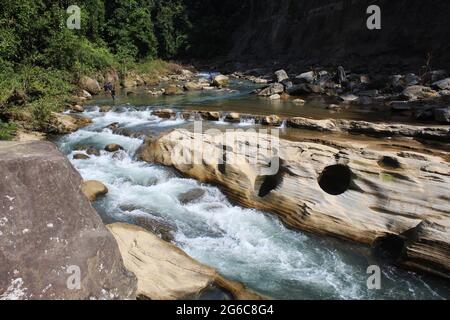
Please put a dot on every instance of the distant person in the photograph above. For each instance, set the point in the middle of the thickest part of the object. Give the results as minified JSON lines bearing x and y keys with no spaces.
{"x":109,"y":88}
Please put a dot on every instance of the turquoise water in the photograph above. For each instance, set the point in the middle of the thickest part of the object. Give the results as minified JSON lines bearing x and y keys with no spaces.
{"x":243,"y":244}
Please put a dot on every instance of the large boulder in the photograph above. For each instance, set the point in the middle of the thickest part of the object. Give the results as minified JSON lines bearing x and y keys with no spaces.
{"x":221,"y":81}
{"x":50,"y":234}
{"x":60,"y":123}
{"x":164,"y":113}
{"x":274,"y":88}
{"x":131,"y":79}
{"x":193,"y":86}
{"x":417,"y":92}
{"x":90,"y":85}
{"x":165,"y":272}
{"x":341,"y":187}
{"x":443,"y":84}
{"x":281,"y":76}
{"x":173,"y":90}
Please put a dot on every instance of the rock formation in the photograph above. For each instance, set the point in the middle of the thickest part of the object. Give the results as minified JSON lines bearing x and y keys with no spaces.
{"x":165,"y":272}
{"x":394,"y":199}
{"x":50,"y":234}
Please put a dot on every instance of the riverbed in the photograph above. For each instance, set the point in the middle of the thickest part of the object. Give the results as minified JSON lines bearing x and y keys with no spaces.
{"x":243,"y":244}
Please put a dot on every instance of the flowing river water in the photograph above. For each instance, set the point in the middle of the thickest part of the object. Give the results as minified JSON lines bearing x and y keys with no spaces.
{"x":243,"y":244}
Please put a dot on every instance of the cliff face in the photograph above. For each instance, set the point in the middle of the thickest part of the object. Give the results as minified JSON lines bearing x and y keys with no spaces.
{"x":335,"y":31}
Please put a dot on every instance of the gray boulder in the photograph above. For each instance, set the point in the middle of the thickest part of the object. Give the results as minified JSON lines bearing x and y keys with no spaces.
{"x":281,"y":76}
{"x":50,"y":234}
{"x":442,"y":115}
{"x":443,"y":84}
{"x":272,"y":89}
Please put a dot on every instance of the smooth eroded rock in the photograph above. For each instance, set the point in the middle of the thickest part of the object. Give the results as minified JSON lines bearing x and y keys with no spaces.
{"x":93,"y":189}
{"x":164,"y":271}
{"x":347,"y":190}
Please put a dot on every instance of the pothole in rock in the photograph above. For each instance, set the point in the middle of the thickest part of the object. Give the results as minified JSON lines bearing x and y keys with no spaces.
{"x":389,"y":163}
{"x":388,"y":248}
{"x":335,"y":179}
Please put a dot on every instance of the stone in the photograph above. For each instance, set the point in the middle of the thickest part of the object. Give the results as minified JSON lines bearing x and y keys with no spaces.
{"x":349,"y":97}
{"x":328,"y":187}
{"x":86,"y":94}
{"x":113,"y":126}
{"x":210,"y":115}
{"x":193,"y":86}
{"x":281,"y":76}
{"x":305,"y":89}
{"x":341,"y":75}
{"x":77,"y":108}
{"x":154,"y":225}
{"x":164,"y":113}
{"x":411,"y":79}
{"x":443,"y":84}
{"x":191,"y":195}
{"x":92,"y":151}
{"x":233,"y":117}
{"x":442,"y":115}
{"x":418,"y":93}
{"x":274,"y":88}
{"x":66,"y":123}
{"x":131,"y":80}
{"x":80,"y":156}
{"x":299,"y":101}
{"x":48,"y":230}
{"x":308,"y":77}
{"x":221,"y":81}
{"x":275,"y":97}
{"x":113,"y":147}
{"x":90,"y":85}
{"x":93,"y":189}
{"x":272,"y":120}
{"x":173,"y":90}
{"x":105,"y":109}
{"x":165,"y":272}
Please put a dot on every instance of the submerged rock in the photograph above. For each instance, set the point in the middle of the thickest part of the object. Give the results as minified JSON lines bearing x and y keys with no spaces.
{"x":80,"y":156}
{"x":113,"y":147}
{"x":165,"y":272}
{"x":49,"y":232}
{"x":324,"y":187}
{"x":164,"y":113}
{"x":191,"y":195}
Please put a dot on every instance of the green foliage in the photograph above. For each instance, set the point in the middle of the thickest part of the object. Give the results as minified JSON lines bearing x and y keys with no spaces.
{"x":41,"y":59}
{"x":7,"y":130}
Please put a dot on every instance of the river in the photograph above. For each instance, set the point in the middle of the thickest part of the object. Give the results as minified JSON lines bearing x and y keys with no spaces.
{"x":243,"y":244}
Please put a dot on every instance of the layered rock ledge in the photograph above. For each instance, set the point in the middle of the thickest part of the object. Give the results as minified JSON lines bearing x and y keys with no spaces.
{"x":166,"y":272}
{"x":50,"y":236}
{"x":396,"y":201}
{"x":429,"y":132}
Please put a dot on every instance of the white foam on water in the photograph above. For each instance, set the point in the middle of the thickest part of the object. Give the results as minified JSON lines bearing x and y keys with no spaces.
{"x":243,"y":244}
